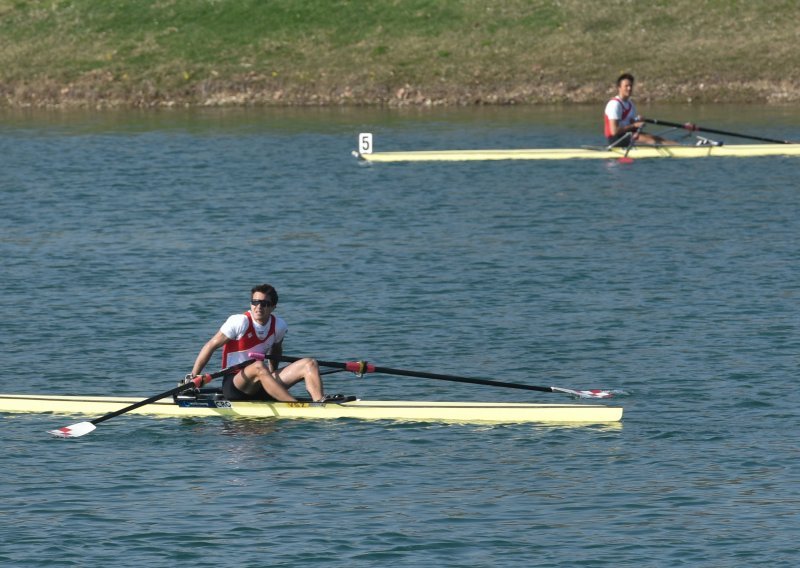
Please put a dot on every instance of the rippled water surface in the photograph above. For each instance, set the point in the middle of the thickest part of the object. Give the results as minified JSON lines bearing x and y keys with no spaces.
{"x":127,"y":238}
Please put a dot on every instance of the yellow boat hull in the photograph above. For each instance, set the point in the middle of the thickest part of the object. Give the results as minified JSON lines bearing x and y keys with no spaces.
{"x":637,"y":152}
{"x":422,"y":411}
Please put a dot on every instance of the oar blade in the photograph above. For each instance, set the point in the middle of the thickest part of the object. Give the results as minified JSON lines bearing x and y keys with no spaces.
{"x":591,"y":393}
{"x":73,"y":431}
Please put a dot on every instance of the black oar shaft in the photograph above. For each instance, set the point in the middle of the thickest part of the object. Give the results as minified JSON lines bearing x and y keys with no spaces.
{"x":152,"y":399}
{"x":402,"y":372}
{"x":455,"y":379}
{"x":206,"y":378}
{"x":714,"y":131}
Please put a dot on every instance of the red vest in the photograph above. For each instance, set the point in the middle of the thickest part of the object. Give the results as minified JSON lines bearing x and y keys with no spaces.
{"x":236,"y":350}
{"x":624,"y":120}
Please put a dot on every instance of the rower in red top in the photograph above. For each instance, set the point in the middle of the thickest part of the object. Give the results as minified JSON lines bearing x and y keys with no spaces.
{"x":259,"y":330}
{"x":623,"y":127}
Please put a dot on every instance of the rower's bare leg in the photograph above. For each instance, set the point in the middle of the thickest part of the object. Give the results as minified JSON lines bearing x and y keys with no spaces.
{"x":307,"y":370}
{"x":256,"y":373}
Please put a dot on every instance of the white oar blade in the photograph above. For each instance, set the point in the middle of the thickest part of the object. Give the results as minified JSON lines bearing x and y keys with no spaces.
{"x":593,"y":393}
{"x":74,"y":431}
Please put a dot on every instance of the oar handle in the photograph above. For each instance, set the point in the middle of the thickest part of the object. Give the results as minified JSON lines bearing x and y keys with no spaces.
{"x":690,"y":126}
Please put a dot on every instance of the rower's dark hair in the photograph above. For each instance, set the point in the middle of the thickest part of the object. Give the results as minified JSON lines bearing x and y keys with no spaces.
{"x":268,"y":290}
{"x":624,"y":76}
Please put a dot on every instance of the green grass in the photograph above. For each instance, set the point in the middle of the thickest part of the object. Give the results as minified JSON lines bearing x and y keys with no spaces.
{"x":155,"y":52}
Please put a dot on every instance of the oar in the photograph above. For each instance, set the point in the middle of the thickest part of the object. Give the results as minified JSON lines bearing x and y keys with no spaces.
{"x":689,"y":126}
{"x":361,"y":367}
{"x":83,"y":428}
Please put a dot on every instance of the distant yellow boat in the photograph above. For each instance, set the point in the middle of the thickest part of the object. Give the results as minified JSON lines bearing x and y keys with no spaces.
{"x":420,"y":411}
{"x":587,"y":153}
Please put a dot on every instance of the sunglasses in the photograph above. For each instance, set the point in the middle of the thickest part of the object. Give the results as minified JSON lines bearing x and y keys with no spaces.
{"x":262,"y":303}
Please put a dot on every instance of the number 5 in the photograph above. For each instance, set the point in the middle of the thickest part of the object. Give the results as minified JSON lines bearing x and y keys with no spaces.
{"x":365,"y":143}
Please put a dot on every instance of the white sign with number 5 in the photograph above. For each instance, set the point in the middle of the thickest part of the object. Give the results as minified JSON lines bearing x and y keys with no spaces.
{"x":365,"y":143}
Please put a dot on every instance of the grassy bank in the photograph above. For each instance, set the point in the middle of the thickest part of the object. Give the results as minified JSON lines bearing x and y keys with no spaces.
{"x":395,"y":52}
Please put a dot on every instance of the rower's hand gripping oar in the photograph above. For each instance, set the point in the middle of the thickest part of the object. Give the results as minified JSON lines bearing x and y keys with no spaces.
{"x":362,"y":367}
{"x":83,"y":428}
{"x":694,"y":127}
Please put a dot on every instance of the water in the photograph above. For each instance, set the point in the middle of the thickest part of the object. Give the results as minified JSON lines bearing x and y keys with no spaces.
{"x":127,"y":238}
